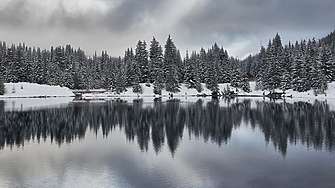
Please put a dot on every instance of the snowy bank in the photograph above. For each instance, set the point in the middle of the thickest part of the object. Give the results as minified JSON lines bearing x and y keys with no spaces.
{"x":187,"y":93}
{"x":27,"y":96}
{"x":31,"y":90}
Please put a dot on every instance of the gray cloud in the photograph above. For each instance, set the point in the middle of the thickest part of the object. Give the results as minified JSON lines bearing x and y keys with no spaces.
{"x":230,"y":15}
{"x":14,"y":13}
{"x":238,"y":25}
{"x":233,"y":19}
{"x":130,"y":14}
{"x":25,"y":14}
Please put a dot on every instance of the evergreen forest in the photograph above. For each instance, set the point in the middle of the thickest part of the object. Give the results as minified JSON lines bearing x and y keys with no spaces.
{"x":300,"y":66}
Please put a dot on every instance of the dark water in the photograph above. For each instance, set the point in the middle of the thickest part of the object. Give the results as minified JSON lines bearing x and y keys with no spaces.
{"x":169,"y":144}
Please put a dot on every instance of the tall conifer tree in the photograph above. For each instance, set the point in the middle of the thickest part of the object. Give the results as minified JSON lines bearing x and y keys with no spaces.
{"x":156,"y":62}
{"x":170,"y":65}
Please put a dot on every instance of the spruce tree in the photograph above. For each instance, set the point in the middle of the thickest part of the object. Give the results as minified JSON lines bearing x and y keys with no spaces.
{"x":129,"y":61}
{"x":236,"y":77}
{"x":312,"y":65}
{"x":195,"y":80}
{"x":260,"y":69}
{"x":274,"y":64}
{"x":2,"y":85}
{"x":189,"y":71}
{"x":212,"y":82}
{"x":297,"y":67}
{"x":137,"y":88}
{"x":105,"y":70}
{"x":326,"y":62}
{"x":141,"y":57}
{"x":12,"y":65}
{"x":39,"y":68}
{"x":285,"y":83}
{"x":171,"y":67}
{"x":180,"y":67}
{"x":202,"y":68}
{"x":220,"y":58}
{"x":156,"y":62}
{"x":245,"y":85}
{"x":120,"y":78}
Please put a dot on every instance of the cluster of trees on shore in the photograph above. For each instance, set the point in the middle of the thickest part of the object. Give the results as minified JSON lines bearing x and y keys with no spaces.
{"x":166,"y":69}
{"x":301,"y":67}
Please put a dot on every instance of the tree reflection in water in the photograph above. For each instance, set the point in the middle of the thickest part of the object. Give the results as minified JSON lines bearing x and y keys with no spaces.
{"x":312,"y":125}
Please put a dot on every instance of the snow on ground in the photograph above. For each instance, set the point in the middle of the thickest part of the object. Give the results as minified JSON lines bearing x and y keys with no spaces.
{"x":30,"y":90}
{"x":190,"y":95}
{"x":187,"y":93}
{"x":28,"y":95}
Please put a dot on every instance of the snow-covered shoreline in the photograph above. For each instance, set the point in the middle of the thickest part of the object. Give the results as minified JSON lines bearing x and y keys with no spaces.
{"x":185,"y":92}
{"x":32,"y":90}
{"x":35,"y":96}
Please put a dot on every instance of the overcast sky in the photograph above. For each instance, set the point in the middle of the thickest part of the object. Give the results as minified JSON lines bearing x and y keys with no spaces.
{"x":114,"y":25}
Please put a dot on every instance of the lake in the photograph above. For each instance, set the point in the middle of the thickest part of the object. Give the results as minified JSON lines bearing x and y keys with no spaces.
{"x":172,"y":143}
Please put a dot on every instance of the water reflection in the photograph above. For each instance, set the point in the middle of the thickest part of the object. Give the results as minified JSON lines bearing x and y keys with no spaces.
{"x":312,"y":125}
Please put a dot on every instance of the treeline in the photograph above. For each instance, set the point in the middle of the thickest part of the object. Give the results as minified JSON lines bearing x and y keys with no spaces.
{"x":301,"y":66}
{"x":165,"y":69}
{"x":164,"y":123}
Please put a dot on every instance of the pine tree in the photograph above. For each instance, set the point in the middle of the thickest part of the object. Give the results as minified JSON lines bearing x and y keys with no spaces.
{"x":120,"y":78}
{"x":2,"y":85}
{"x":52,"y":68}
{"x":189,"y":70}
{"x":21,"y":62}
{"x":170,"y":65}
{"x":180,"y":67}
{"x":223,"y":63}
{"x":3,"y":68}
{"x":12,"y":65}
{"x":194,"y":80}
{"x":274,"y":69}
{"x":260,"y":69}
{"x":129,"y":61}
{"x":235,"y":77}
{"x":326,"y":61}
{"x":137,"y":88}
{"x":202,"y":68}
{"x":297,"y":67}
{"x":286,"y":78}
{"x":285,"y":83}
{"x":106,"y":71}
{"x":141,"y":57}
{"x":212,"y":82}
{"x":312,"y":65}
{"x":249,"y":65}
{"x":82,"y":68}
{"x":76,"y":81}
{"x":96,"y":72}
{"x":245,"y":85}
{"x":113,"y":79}
{"x":39,"y":68}
{"x":156,"y":62}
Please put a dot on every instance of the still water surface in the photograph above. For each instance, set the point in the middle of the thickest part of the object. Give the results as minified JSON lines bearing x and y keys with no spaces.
{"x":216,"y":143}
